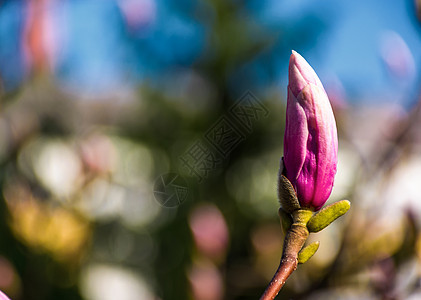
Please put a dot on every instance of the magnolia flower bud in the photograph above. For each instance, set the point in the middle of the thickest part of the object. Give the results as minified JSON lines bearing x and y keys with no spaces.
{"x":310,"y":141}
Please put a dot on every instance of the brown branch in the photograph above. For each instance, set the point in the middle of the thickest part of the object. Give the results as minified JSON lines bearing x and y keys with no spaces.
{"x":285,"y":269}
{"x":294,"y":241}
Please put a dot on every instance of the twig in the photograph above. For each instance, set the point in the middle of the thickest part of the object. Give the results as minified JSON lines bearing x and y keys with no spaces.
{"x":285,"y":269}
{"x":294,"y":241}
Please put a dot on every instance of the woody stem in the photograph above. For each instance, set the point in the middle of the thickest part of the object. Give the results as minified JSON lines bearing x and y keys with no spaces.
{"x":293,"y":243}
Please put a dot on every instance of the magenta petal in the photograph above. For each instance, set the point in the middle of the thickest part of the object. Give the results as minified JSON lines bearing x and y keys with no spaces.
{"x":295,"y":138}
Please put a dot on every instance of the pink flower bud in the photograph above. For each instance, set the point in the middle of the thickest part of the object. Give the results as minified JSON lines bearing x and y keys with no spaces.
{"x":310,"y":141}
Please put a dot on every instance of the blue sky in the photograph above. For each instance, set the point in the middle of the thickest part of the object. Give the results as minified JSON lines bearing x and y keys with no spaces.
{"x":350,"y":47}
{"x":340,"y":39}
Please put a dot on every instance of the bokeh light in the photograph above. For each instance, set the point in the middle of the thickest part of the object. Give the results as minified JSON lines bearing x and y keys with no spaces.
{"x":99,"y":100}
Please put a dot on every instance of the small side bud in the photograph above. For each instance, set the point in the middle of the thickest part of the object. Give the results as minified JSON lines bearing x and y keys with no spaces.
{"x":327,"y":215}
{"x":307,"y":252}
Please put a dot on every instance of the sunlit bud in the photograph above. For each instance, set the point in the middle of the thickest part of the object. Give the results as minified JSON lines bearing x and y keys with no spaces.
{"x":310,"y":141}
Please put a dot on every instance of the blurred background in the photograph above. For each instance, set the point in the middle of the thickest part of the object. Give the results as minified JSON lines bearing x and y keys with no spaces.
{"x":140,"y":142}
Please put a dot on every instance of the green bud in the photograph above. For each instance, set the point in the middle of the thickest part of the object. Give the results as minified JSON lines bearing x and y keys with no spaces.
{"x":327,"y":215}
{"x":307,"y":252}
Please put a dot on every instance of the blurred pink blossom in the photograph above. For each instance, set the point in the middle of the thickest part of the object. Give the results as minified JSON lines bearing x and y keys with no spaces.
{"x":39,"y":35}
{"x":206,"y":282}
{"x":138,"y":13}
{"x":209,"y":230}
{"x":98,"y":154}
{"x":397,"y":56}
